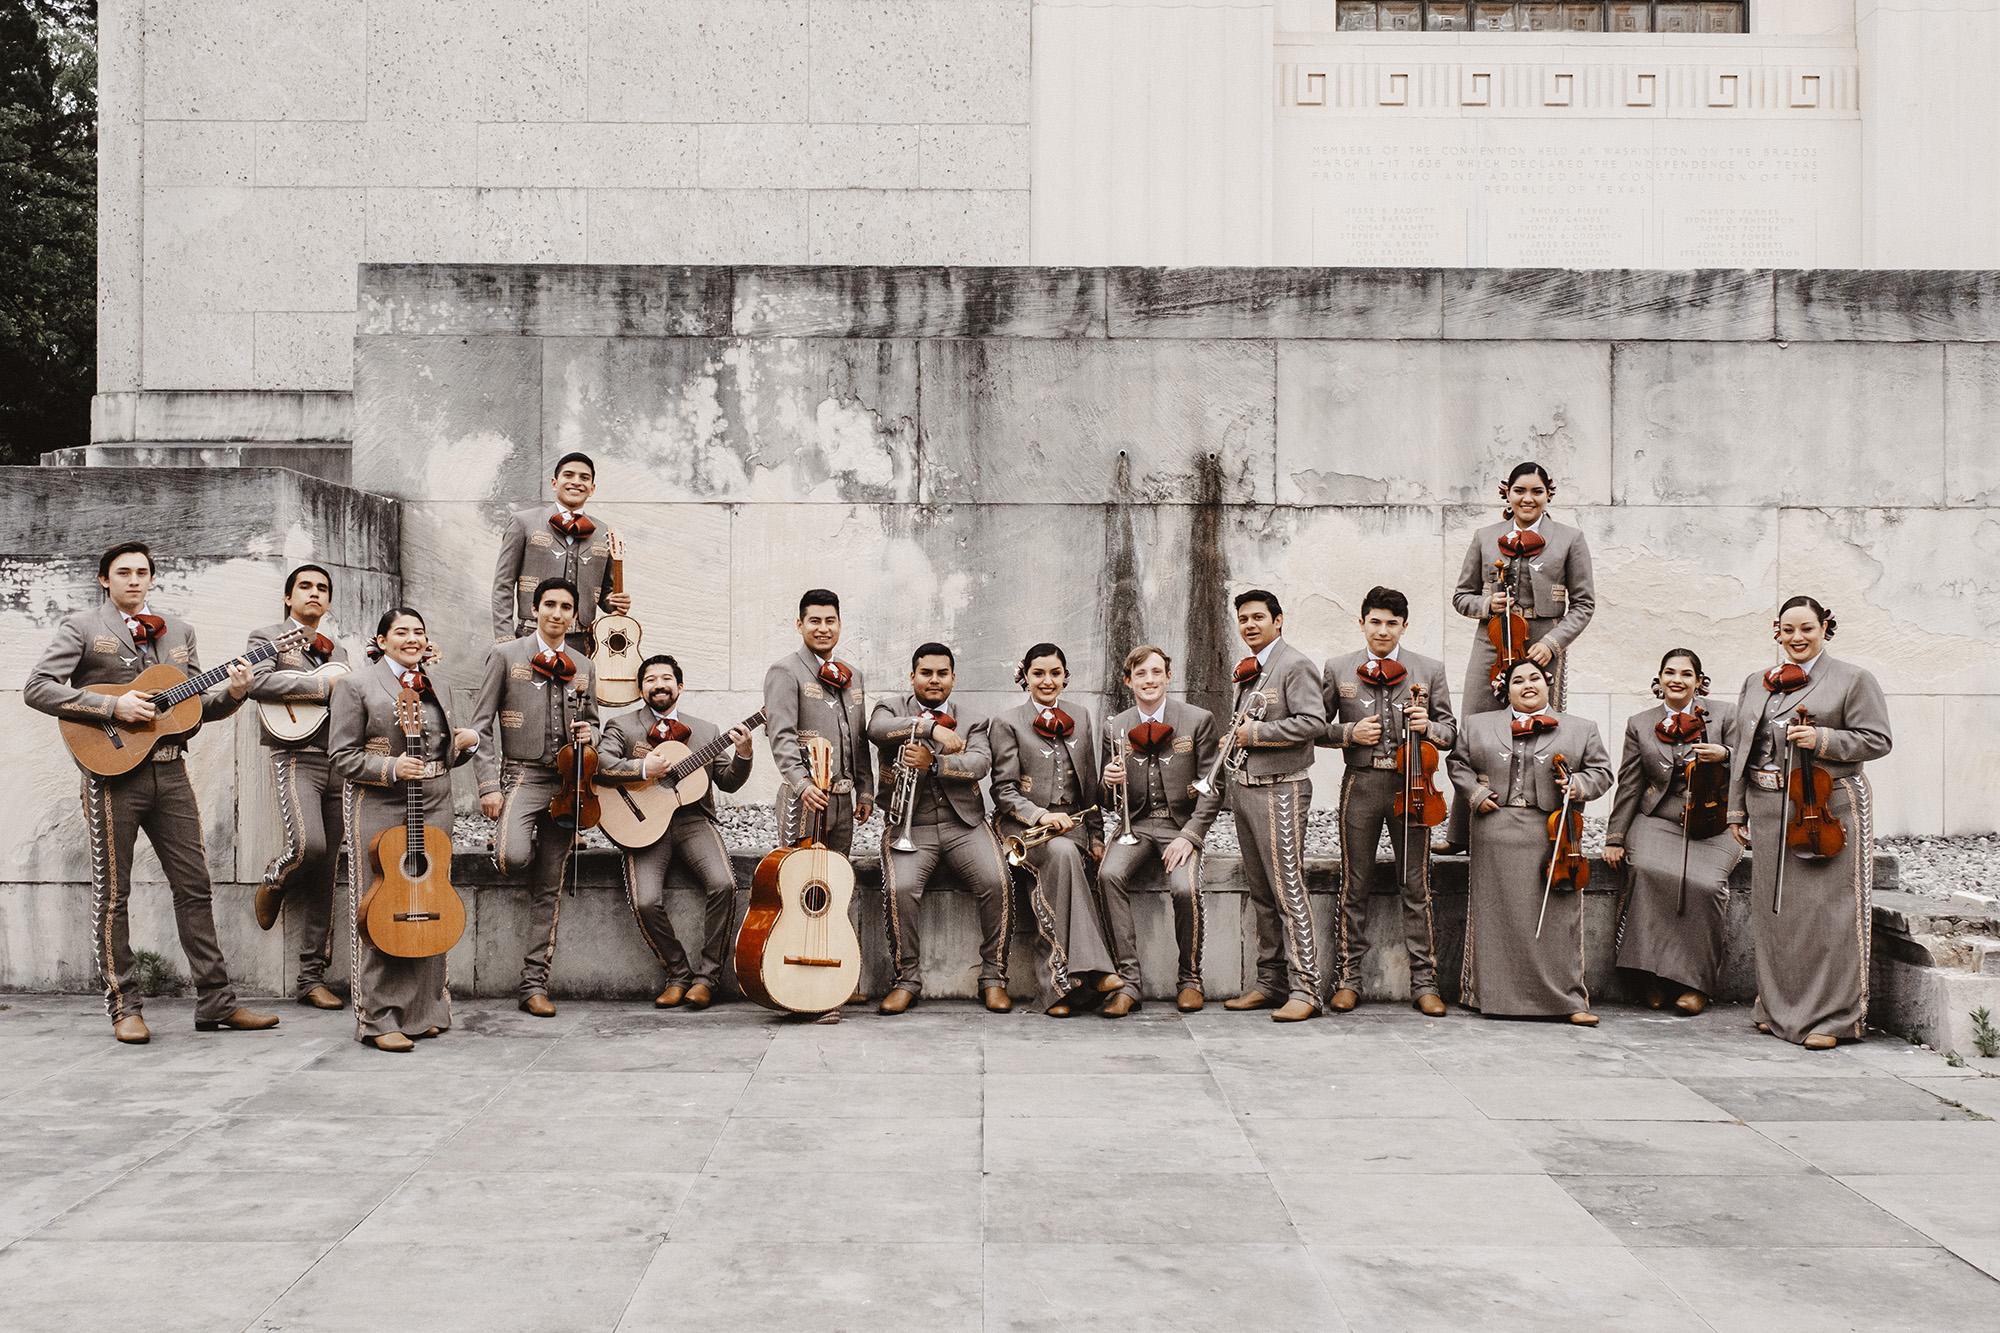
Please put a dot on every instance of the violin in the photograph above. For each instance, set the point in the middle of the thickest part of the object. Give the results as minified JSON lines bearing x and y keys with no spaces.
{"x":1567,"y":864}
{"x":1705,"y":812}
{"x":1812,"y":833}
{"x":575,"y":804}
{"x":1419,"y":800}
{"x":1507,"y":631}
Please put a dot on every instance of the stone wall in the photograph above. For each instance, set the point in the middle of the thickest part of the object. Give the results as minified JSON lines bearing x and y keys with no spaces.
{"x":1100,"y":457}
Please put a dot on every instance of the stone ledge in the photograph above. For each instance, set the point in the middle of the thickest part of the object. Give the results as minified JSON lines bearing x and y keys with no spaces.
{"x":329,"y":460}
{"x":222,"y":415}
{"x":1888,"y":305}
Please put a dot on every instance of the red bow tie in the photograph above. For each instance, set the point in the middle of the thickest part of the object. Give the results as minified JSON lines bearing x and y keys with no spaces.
{"x":1784,"y":679}
{"x":553,"y":666}
{"x":1518,"y":542}
{"x":1246,"y":670}
{"x":567,"y":524}
{"x":1150,"y":738}
{"x":1680,"y":728}
{"x":145,"y":628}
{"x":945,"y":720}
{"x":1529,"y":726}
{"x":1056,"y":726}
{"x":835,"y":674}
{"x":668,"y":729}
{"x":321,"y":645}
{"x":1381,"y":671}
{"x":415,"y":680}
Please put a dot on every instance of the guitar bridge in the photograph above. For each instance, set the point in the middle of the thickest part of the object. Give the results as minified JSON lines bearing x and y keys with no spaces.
{"x":801,"y":960}
{"x":416,"y":916}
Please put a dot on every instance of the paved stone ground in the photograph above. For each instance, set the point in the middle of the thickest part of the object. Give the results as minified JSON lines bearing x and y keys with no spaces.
{"x":952,"y":1170}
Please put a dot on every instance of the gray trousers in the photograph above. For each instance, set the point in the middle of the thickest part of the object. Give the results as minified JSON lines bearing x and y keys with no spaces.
{"x":309,"y":807}
{"x":1366,"y":798}
{"x":525,"y":837}
{"x":1271,"y":832}
{"x":836,"y":827}
{"x":693,"y":845}
{"x":158,"y":798}
{"x":973,"y":855}
{"x":1123,"y":869}
{"x":1070,"y":948}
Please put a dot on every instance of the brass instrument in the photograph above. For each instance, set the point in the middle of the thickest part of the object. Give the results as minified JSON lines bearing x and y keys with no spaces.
{"x":903,"y":801}
{"x":1121,"y":752}
{"x":1018,"y":846}
{"x":1229,"y":756}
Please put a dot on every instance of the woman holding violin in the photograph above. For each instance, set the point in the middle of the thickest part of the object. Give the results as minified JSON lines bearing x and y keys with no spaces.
{"x":1527,"y":579}
{"x":1800,"y":800}
{"x":1668,"y":833}
{"x":1389,"y":714}
{"x":395,"y":999}
{"x":1046,"y":792}
{"x":1525,"y":773}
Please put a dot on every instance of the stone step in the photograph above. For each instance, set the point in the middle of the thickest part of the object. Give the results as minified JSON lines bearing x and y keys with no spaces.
{"x":328,"y":460}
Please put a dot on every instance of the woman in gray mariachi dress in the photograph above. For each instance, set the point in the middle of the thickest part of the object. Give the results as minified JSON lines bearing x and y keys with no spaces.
{"x":1503,"y":767}
{"x":1677,"y":887}
{"x":1812,"y":957}
{"x":395,"y":999}
{"x":1044,"y":775}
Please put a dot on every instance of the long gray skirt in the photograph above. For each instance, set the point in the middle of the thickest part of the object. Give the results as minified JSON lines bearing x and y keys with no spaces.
{"x":391,"y":994}
{"x":1507,"y":970}
{"x":1812,"y":960}
{"x":1652,"y":935}
{"x":1070,"y":948}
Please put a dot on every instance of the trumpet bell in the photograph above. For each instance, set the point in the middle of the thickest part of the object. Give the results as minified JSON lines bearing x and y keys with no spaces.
{"x":902,"y":843}
{"x":1015,"y":851}
{"x":1127,"y":840}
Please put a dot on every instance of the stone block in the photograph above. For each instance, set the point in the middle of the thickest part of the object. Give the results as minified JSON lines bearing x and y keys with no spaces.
{"x":551,"y":300}
{"x":529,"y":227}
{"x":1971,"y":423}
{"x":973,"y":157}
{"x":1089,"y":422}
{"x":1388,"y":422}
{"x":882,"y":302}
{"x":921,"y":61}
{"x":917,"y":226}
{"x":191,"y":348}
{"x":373,"y":153}
{"x":692,"y":61}
{"x":606,"y":956}
{"x":121,"y":180}
{"x":255,"y":59}
{"x":233,"y":248}
{"x":262,"y":415}
{"x":578,"y":154}
{"x":1911,"y":784}
{"x":1887,"y":305}
{"x":449,"y":551}
{"x":1273,"y":303}
{"x":1696,"y":423}
{"x":697,"y":227}
{"x":1971,"y":766}
{"x":1922,"y":624}
{"x":677,"y":560}
{"x":699,"y":419}
{"x":308,"y":351}
{"x":190,"y":153}
{"x":1609,"y":305}
{"x":427,"y":225}
{"x":1321,"y":561}
{"x":432,"y":60}
{"x":442,"y":418}
{"x":780,"y":156}
{"x":45,"y":936}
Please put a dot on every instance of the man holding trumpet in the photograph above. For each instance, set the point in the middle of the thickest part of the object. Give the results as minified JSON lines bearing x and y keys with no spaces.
{"x":932,"y":765}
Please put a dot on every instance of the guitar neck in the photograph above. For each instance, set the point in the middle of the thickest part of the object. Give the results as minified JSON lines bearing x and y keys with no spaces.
{"x":413,"y":792}
{"x":210,"y":678}
{"x":709,"y":753}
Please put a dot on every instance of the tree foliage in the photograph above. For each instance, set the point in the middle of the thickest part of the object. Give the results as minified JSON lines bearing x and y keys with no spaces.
{"x":48,"y":224}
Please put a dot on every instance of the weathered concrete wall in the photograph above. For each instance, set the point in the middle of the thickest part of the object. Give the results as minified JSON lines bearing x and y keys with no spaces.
{"x":1101,"y":456}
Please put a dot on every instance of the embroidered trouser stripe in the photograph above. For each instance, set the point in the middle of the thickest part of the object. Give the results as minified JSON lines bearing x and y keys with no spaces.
{"x":1862,"y":850}
{"x":105,"y":885}
{"x":1288,"y":883}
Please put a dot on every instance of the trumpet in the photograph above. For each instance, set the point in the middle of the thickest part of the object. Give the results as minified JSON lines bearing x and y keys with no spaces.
{"x":1229,"y":756}
{"x":1017,"y":847}
{"x":1121,"y":751}
{"x":903,"y":801}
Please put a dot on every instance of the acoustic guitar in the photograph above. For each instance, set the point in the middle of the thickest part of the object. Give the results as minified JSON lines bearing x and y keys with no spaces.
{"x":616,"y":656}
{"x":797,"y":952}
{"x":110,"y":748}
{"x":638,"y":814}
{"x":411,"y":910}
{"x":298,"y":721}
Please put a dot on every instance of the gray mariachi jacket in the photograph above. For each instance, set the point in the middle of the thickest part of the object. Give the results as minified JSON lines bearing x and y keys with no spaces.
{"x":1559,"y":585}
{"x":1294,"y":713}
{"x":1348,"y":700}
{"x":1485,"y":747}
{"x":513,"y":712}
{"x":94,"y":648}
{"x":1190,"y":754}
{"x":1847,"y":706}
{"x":802,"y":706}
{"x":958,"y":775}
{"x":1024,"y":765}
{"x":1647,"y":765}
{"x":530,"y":551}
{"x":364,"y":740}
{"x":625,"y":744}
{"x":287,"y":678}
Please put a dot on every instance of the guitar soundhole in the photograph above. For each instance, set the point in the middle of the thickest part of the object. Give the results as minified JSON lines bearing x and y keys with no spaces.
{"x":615,"y":642}
{"x":416,"y":865}
{"x":815,"y":898}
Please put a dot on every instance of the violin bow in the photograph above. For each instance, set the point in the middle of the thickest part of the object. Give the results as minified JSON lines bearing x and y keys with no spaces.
{"x":1687,"y":818}
{"x":1784,"y":820}
{"x":1555,"y":844}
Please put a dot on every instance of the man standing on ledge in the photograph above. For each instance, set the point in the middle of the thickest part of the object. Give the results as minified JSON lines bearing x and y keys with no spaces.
{"x":562,"y":542}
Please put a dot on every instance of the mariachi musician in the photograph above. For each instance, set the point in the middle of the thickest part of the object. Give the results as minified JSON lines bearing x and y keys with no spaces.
{"x":556,"y":542}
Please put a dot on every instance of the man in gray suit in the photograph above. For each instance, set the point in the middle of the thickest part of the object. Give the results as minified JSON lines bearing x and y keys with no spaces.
{"x":558,"y":541}
{"x":302,"y":779}
{"x":1377,"y":698}
{"x":111,"y":645}
{"x":536,"y":698}
{"x":1270,"y":792}
{"x":693,"y":843}
{"x":1167,"y":746}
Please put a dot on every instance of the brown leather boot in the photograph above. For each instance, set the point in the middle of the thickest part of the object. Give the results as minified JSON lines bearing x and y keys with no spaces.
{"x":270,"y":905}
{"x":538,"y":1004}
{"x":1430,"y":1006}
{"x":1190,"y":1000}
{"x":1656,"y":997}
{"x":1691,"y":1003}
{"x":671,"y":996}
{"x":392,"y":1041}
{"x":320,"y":997}
{"x":1344,"y":1000}
{"x":1584,"y":1020}
{"x":132,"y":1030}
{"x":897,"y":1001}
{"x":1110,"y":982}
{"x":1252,"y":999}
{"x":1293,"y":1011}
{"x":997,"y":1000}
{"x":239,"y":1018}
{"x":860,"y":996}
{"x":700,"y":995}
{"x":1060,"y":1009}
{"x":1119,"y":1005}
{"x":1820,"y":1041}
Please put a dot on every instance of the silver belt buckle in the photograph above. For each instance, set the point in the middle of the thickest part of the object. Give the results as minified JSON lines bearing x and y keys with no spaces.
{"x":1383,"y":761}
{"x":1767,"y":779}
{"x":166,"y":754}
{"x":842,"y":787}
{"x":433,"y":768}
